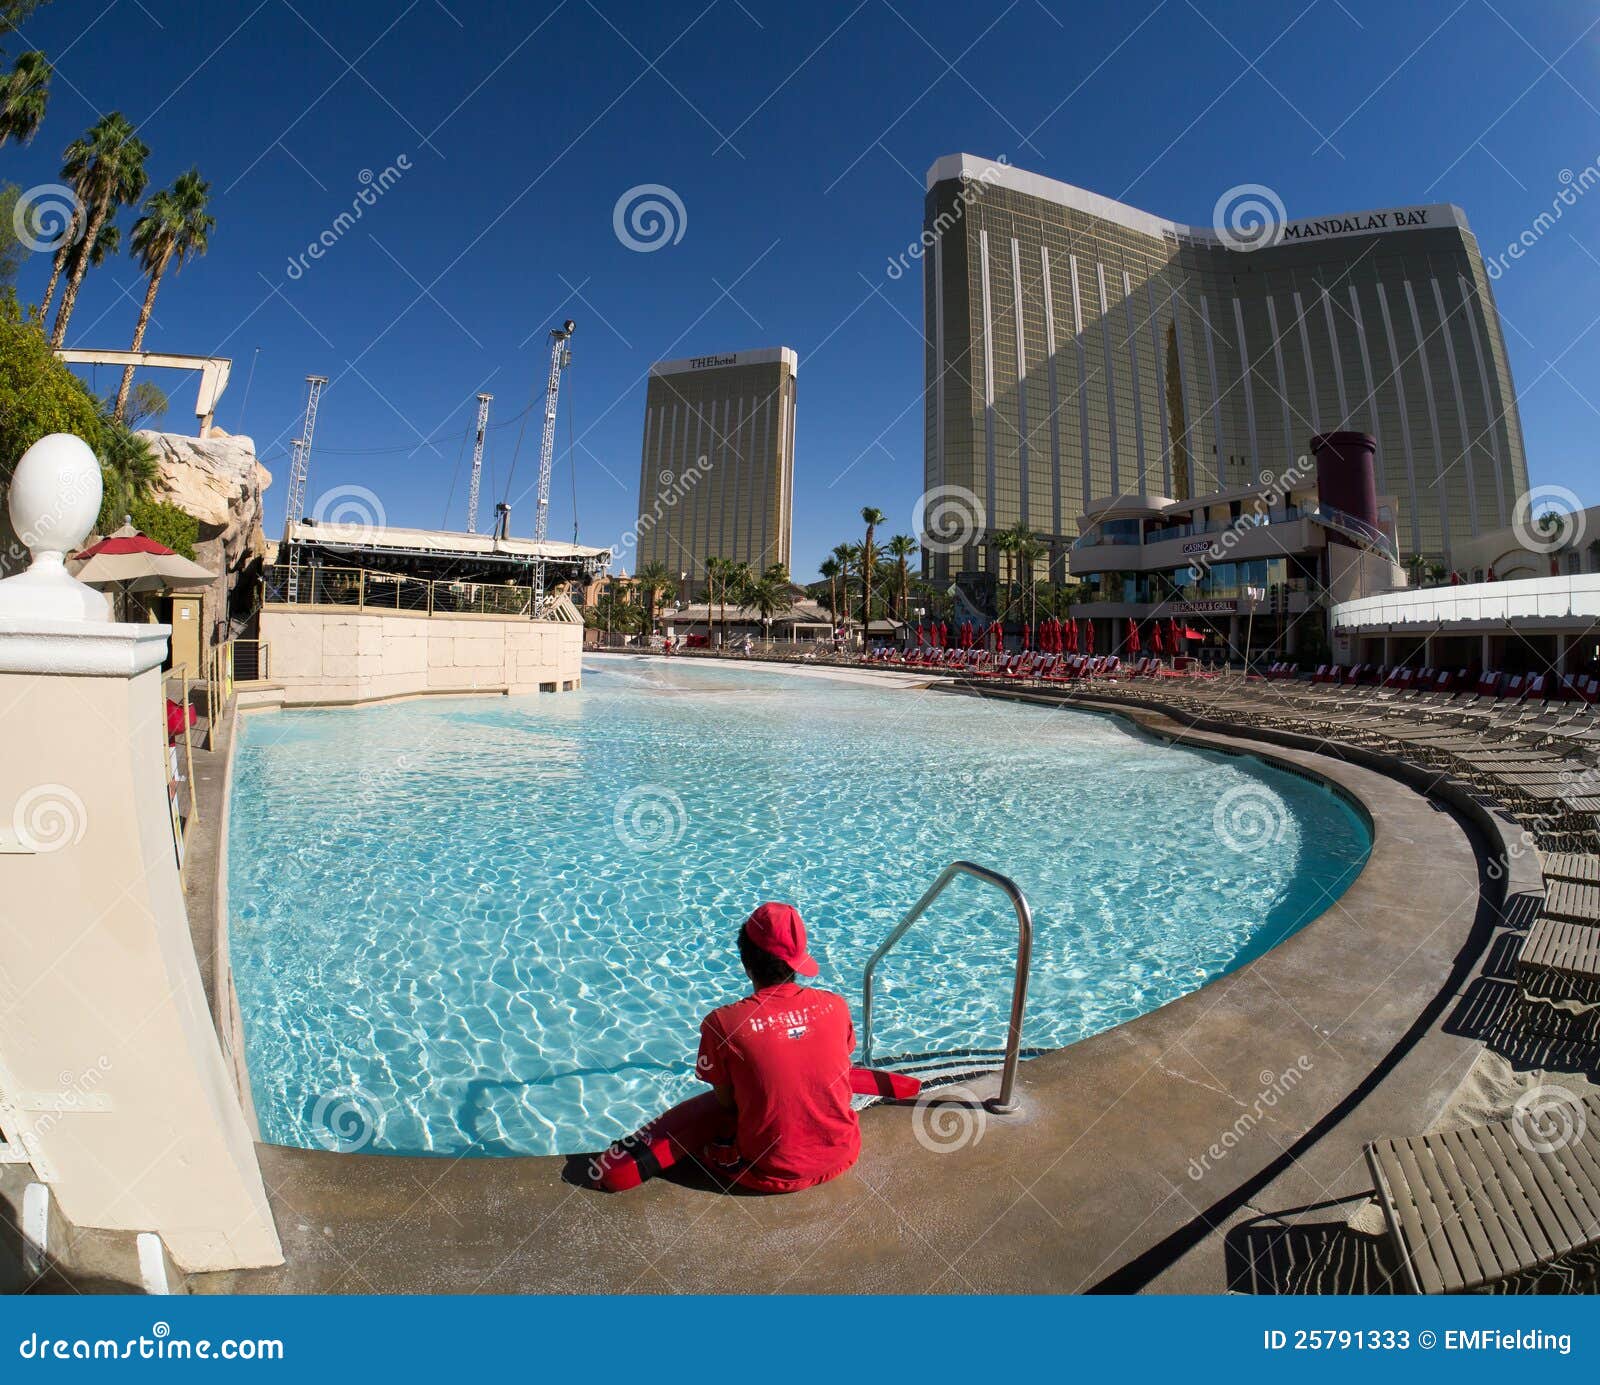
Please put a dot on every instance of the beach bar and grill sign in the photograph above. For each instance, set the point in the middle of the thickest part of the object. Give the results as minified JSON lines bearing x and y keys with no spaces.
{"x":1208,"y":608}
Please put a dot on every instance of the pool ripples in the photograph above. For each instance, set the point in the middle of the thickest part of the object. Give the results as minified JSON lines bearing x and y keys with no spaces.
{"x":498,"y":922}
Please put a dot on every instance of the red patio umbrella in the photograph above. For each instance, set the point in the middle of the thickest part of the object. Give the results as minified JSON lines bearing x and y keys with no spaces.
{"x":1026,"y":637}
{"x":919,"y":635}
{"x":1071,"y":632}
{"x":1155,"y":637}
{"x":1172,"y":636}
{"x":944,"y":635}
{"x":1088,"y":637}
{"x":1133,"y":636}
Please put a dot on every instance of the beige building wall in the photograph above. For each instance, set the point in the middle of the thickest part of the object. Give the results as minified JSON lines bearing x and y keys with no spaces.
{"x":339,"y":655}
{"x":716,"y":474}
{"x":1079,"y":348}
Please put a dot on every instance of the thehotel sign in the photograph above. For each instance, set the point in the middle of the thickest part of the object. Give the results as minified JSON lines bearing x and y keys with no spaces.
{"x":705,"y":362}
{"x":1361,"y":224}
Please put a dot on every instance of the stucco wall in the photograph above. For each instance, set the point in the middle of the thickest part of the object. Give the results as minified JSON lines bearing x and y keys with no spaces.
{"x":113,"y":1080}
{"x":340,"y":655}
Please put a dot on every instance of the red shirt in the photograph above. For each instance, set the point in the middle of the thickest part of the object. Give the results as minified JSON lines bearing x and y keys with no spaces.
{"x":785,"y":1051}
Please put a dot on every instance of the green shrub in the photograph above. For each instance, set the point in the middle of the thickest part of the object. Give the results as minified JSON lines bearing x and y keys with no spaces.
{"x":165,"y":523}
{"x":38,"y":395}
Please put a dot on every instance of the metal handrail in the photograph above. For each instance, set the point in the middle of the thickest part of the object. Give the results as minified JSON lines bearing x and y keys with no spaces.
{"x":1002,"y":1104}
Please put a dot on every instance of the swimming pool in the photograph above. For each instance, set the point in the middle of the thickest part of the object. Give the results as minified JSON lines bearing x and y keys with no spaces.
{"x":491,"y":926}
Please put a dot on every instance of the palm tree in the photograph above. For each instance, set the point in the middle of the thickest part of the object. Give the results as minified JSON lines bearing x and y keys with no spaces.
{"x":736,"y":582}
{"x":106,"y":168}
{"x":714,"y":568}
{"x":175,"y":225}
{"x":1029,"y":551}
{"x":872,"y":518}
{"x":830,"y":570}
{"x":848,"y":554}
{"x":654,"y":582}
{"x":64,"y":249}
{"x":901,"y":547}
{"x":1005,"y":544}
{"x":24,"y":94}
{"x":128,"y":471}
{"x":768,"y":595}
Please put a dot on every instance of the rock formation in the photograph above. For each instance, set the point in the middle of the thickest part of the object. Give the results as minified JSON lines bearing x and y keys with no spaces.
{"x":218,"y":480}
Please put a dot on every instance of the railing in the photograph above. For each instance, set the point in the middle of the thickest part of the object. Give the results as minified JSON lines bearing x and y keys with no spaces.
{"x":1002,"y":1104}
{"x":227,"y":664}
{"x":252,"y":661}
{"x":1358,"y":528}
{"x":177,"y":687}
{"x":369,"y":590}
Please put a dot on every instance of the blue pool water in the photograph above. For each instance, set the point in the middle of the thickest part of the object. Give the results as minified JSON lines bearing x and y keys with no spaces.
{"x":492,"y":925}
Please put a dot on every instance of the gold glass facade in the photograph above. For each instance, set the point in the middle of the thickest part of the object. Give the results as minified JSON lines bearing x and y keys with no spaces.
{"x":716,"y":475}
{"x":1078,"y":349}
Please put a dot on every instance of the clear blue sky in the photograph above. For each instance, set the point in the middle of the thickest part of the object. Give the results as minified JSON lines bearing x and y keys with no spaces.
{"x":797,"y":138}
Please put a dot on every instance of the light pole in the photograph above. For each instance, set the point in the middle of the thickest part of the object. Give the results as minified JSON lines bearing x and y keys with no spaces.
{"x":1252,"y":596}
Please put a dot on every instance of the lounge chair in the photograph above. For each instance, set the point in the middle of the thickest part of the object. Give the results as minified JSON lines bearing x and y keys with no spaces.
{"x":1468,"y":1208}
{"x":1558,"y":979}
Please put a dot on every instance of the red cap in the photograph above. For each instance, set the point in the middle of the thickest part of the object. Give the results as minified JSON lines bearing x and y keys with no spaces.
{"x":778,"y":929}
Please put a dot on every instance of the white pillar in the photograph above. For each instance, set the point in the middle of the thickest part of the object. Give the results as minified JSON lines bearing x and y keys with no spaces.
{"x":1485,"y":653}
{"x":1563,"y":642}
{"x":111,"y":1077}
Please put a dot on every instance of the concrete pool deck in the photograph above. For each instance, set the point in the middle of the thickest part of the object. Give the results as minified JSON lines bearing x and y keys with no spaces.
{"x":1135,"y":1152}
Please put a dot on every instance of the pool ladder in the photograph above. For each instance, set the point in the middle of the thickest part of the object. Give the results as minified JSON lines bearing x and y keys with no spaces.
{"x":1001,"y":1104}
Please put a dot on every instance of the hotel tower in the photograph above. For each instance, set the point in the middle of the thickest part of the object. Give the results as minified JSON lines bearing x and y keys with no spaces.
{"x":716,"y":478}
{"x":1079,"y":349}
